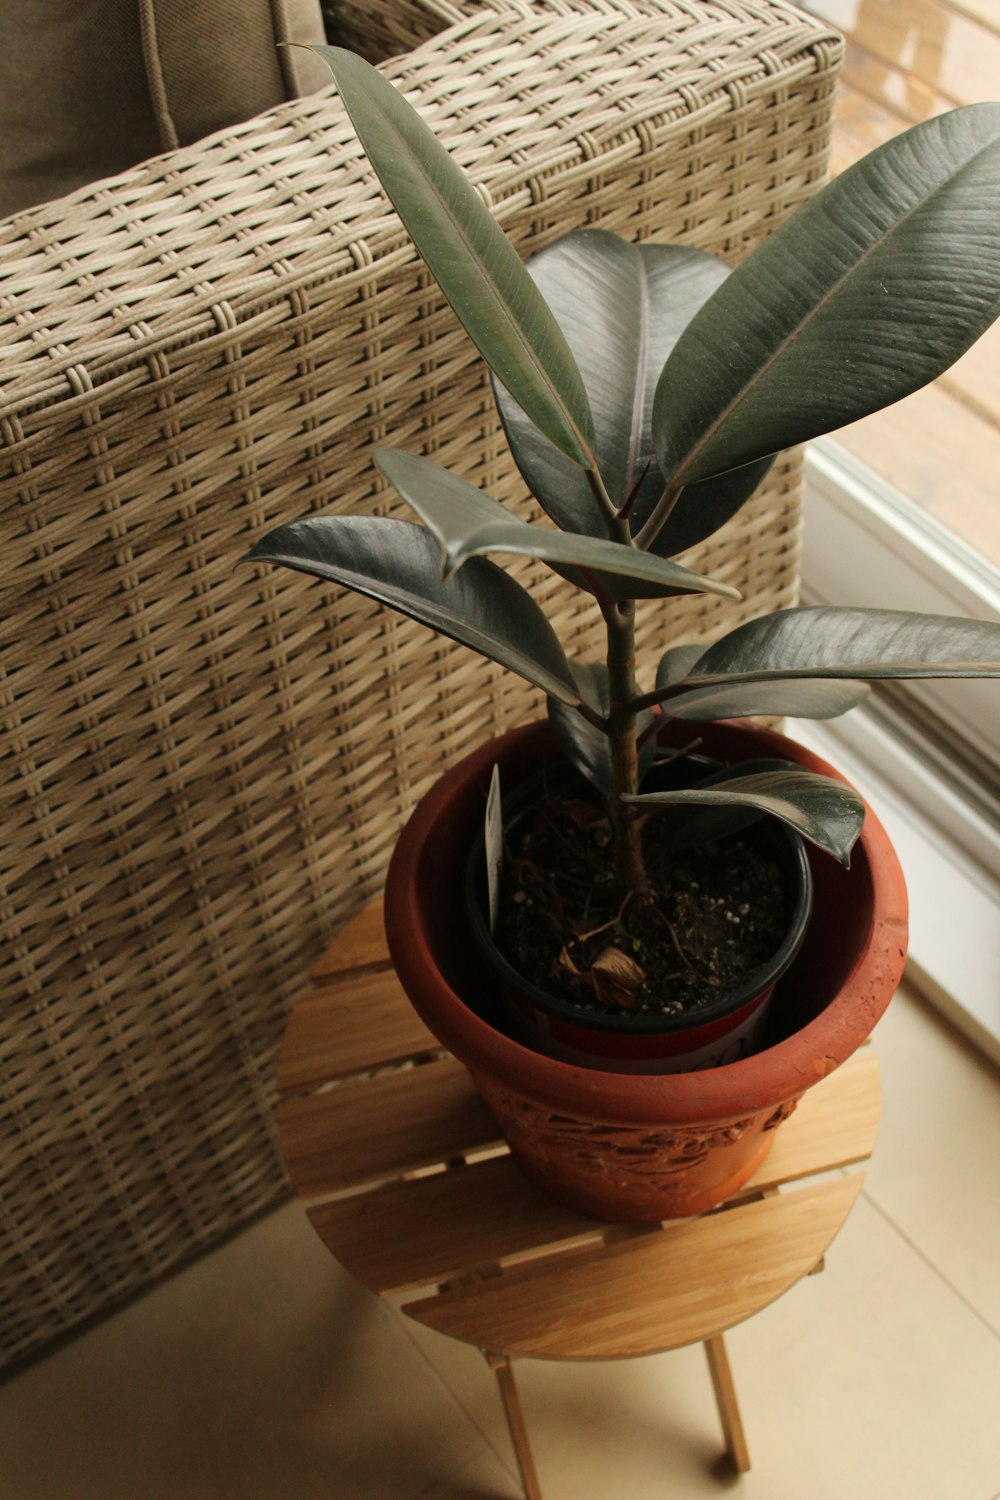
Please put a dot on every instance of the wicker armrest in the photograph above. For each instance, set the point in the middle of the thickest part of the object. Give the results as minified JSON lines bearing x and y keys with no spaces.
{"x":205,"y":767}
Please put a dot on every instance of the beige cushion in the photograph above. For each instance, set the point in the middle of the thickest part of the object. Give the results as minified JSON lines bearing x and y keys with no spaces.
{"x":89,"y":89}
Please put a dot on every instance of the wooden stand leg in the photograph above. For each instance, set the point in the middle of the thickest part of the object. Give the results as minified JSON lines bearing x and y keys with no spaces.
{"x":500,"y":1365}
{"x":725,"y":1396}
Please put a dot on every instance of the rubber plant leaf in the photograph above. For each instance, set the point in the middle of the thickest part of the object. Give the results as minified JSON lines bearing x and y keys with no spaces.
{"x":799,"y":697}
{"x":473,"y":262}
{"x":622,"y":308}
{"x":802,"y":698}
{"x":690,"y":824}
{"x":677,"y":661}
{"x":468,"y":523}
{"x":869,"y":291}
{"x":823,"y":810}
{"x":585,"y":744}
{"x":399,"y":564}
{"x":827,"y":641}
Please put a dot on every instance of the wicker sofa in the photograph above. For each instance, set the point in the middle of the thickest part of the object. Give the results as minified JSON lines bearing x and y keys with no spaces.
{"x":205,"y":766}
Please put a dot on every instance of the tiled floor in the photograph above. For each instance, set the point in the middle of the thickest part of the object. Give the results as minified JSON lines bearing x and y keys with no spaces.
{"x":264,"y":1373}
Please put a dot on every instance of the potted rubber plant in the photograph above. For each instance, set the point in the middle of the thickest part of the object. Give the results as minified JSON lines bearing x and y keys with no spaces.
{"x":644,"y":391}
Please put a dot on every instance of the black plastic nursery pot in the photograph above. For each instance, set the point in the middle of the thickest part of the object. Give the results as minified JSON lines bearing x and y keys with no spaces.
{"x":649,"y":1040}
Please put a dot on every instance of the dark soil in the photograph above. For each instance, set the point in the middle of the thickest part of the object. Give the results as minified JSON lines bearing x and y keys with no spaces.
{"x":717,"y":912}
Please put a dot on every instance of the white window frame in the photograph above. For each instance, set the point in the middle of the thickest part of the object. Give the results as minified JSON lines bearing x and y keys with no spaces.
{"x":865,"y":545}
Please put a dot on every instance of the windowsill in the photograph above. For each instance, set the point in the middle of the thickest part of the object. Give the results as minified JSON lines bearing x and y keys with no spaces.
{"x":865,"y":547}
{"x":954,"y":953}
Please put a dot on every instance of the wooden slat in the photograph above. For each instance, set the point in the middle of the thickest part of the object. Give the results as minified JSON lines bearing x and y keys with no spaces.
{"x":933,"y":448}
{"x":834,"y":1125}
{"x":889,"y":91}
{"x":419,"y":1233}
{"x":361,"y":942}
{"x":948,"y":52}
{"x":367,"y":1131}
{"x":434,"y":1229}
{"x":688,"y":1282}
{"x":357,"y":1021}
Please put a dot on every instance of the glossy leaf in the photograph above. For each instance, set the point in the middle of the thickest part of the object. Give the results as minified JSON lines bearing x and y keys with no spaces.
{"x":801,"y":698}
{"x":468,"y":523}
{"x":622,"y":308}
{"x":823,"y":810}
{"x":830,"y":642}
{"x":399,"y":564}
{"x":869,"y":291}
{"x":475,"y":265}
{"x":585,"y":744}
{"x":677,"y":661}
{"x":688,"y":824}
{"x":701,"y":508}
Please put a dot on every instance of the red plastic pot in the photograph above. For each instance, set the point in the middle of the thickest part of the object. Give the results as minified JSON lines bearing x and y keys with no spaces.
{"x":642,"y":1147}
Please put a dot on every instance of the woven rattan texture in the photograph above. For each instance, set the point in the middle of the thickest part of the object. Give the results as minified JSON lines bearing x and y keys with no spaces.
{"x":206,"y":766}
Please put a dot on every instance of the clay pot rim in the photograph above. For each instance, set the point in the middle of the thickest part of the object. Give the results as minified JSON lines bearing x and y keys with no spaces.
{"x":764,"y":1080}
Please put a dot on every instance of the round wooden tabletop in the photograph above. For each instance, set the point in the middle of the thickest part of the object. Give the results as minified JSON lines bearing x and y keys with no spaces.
{"x":409,"y":1183}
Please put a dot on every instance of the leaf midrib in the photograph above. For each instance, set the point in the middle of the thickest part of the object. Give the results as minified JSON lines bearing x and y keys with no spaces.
{"x":499,"y":303}
{"x":814,"y":312}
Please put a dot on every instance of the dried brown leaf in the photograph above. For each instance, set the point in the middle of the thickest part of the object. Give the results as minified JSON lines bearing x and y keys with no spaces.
{"x":615,"y":965}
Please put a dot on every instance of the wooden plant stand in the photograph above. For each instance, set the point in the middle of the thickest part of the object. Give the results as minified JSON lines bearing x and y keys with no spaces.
{"x":410,"y":1185}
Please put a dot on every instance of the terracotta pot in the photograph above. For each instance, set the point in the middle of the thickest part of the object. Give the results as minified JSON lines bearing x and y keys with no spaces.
{"x":637,"y":1147}
{"x":729,"y":1028}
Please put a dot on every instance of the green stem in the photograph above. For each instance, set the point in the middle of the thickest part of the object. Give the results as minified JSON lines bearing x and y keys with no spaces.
{"x":619,"y":619}
{"x":629,"y":866}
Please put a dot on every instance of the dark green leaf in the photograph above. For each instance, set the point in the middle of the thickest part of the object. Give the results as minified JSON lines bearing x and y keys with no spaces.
{"x":702,"y":508}
{"x":868,"y":292}
{"x":468,"y":523}
{"x":471,"y":258}
{"x":676,"y":663}
{"x":802,"y":698}
{"x":687,"y":824}
{"x":826,"y":641}
{"x":399,"y":564}
{"x":621,"y":307}
{"x":823,"y":810}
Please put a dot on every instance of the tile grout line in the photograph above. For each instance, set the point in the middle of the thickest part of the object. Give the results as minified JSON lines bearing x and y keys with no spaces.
{"x":429,"y":1489}
{"x":446,"y":1383}
{"x":932,"y":1265}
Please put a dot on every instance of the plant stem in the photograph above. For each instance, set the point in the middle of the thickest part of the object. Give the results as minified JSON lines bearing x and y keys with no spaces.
{"x":629,"y":866}
{"x":619,"y":619}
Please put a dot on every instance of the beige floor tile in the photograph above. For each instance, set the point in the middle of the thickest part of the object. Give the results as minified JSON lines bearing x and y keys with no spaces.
{"x":649,"y":1421}
{"x":485,"y":1478}
{"x":873,"y":1380}
{"x":261,"y":1373}
{"x":935,"y":1171}
{"x":264,"y":1373}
